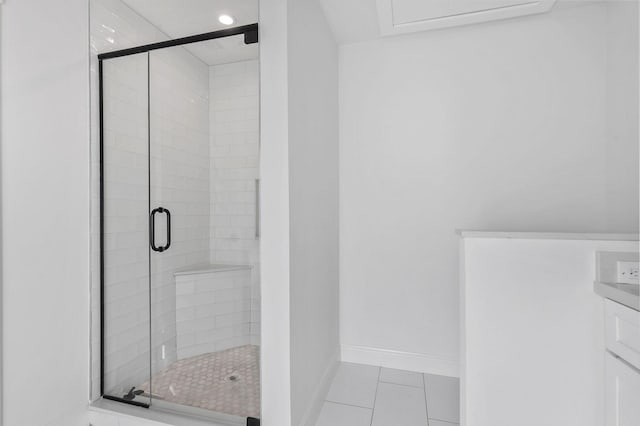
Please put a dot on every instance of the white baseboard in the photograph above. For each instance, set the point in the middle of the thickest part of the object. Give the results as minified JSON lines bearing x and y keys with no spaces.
{"x":310,"y":417}
{"x":423,"y":363}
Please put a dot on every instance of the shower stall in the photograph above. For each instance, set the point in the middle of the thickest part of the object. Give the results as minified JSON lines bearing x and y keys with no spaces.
{"x":179,"y":226}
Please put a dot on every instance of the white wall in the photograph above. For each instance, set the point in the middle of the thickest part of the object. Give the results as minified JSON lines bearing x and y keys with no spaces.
{"x":623,"y":180}
{"x":313,"y":168}
{"x":45,"y":200}
{"x":298,"y":114}
{"x":275,"y":370}
{"x":533,"y":342}
{"x":492,"y":126}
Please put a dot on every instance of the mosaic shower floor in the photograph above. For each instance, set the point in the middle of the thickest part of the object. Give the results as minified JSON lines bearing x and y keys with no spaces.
{"x":227,"y":382}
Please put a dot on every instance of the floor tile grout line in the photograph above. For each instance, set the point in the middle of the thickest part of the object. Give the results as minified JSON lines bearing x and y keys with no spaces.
{"x":444,"y":421}
{"x":375,"y":396}
{"x":402,"y":384}
{"x":348,"y":405}
{"x":426,"y":403}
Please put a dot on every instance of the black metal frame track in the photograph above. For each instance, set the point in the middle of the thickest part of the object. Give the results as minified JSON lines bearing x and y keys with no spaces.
{"x":250,"y":37}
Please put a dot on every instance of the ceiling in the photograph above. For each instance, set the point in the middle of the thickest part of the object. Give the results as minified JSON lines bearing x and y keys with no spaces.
{"x":361,"y":20}
{"x":180,"y":18}
{"x":352,"y":20}
{"x":402,"y":16}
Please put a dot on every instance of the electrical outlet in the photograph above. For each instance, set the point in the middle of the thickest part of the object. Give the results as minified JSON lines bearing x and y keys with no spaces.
{"x":629,"y":272}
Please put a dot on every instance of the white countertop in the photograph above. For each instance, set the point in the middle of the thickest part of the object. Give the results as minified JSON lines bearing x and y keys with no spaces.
{"x":625,"y":294}
{"x":548,"y":235}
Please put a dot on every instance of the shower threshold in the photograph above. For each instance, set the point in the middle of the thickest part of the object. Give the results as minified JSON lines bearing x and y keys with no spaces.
{"x":105,"y":411}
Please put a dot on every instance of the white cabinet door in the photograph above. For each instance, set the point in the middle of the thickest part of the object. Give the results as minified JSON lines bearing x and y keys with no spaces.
{"x":623,"y":393}
{"x":622,"y":331}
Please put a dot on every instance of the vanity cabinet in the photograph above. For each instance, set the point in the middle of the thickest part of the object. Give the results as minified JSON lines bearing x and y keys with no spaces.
{"x":622,"y":382}
{"x":533,"y":330}
{"x":622,"y":332}
{"x":622,"y":392}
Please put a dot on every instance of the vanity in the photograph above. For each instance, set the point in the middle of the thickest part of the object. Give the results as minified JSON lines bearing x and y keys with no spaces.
{"x":622,"y":339}
{"x":534,"y":334}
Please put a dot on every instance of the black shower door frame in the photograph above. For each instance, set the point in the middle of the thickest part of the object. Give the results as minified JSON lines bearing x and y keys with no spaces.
{"x":250,"y":33}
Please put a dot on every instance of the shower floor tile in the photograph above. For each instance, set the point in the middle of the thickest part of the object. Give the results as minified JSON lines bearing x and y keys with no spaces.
{"x":226,"y":382}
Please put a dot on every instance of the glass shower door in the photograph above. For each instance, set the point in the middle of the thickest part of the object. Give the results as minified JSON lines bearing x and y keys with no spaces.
{"x":202,"y":362}
{"x":180,"y":181}
{"x":179,"y":168}
{"x":179,"y":194}
{"x":126,"y":362}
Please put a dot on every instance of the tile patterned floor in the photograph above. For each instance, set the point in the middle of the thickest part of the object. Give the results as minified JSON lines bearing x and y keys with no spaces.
{"x":363,"y":395}
{"x":226,"y":382}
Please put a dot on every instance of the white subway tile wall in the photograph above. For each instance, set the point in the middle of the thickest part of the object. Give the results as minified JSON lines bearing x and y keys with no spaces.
{"x":213,"y":311}
{"x":235,"y":149}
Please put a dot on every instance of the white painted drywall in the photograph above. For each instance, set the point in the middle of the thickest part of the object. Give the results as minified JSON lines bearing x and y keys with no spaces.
{"x":45,"y":200}
{"x":299,"y":220}
{"x":313,"y":179}
{"x":274,"y":215}
{"x":623,"y":180}
{"x":493,"y":126}
{"x":533,"y":332}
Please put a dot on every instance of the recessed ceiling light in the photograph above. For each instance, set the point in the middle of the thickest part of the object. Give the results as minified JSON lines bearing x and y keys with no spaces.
{"x":226,"y":19}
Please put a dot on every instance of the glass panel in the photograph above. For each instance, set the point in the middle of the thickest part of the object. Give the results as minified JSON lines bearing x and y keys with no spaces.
{"x":204,"y":285}
{"x":126,"y":233}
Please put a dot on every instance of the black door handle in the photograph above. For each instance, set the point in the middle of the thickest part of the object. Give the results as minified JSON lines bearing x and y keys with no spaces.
{"x":152,"y":229}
